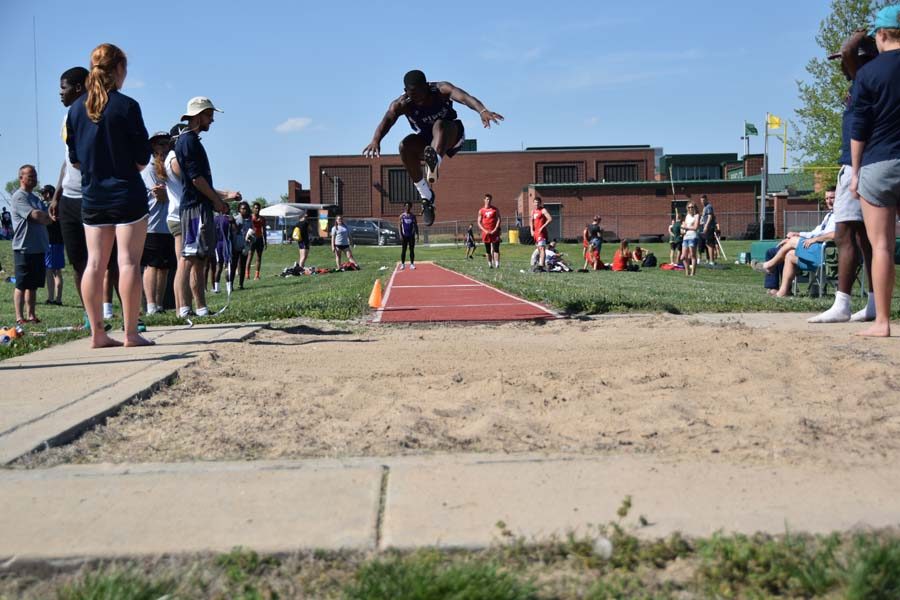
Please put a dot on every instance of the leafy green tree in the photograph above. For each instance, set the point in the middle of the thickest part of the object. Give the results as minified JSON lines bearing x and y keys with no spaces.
{"x":825,"y":92}
{"x":11,"y":186}
{"x":262,"y":202}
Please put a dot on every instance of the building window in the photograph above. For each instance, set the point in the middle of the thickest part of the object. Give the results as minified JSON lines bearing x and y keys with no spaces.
{"x":622,"y":172}
{"x":694,"y":173}
{"x":560,"y":174}
{"x":348,"y":187}
{"x":400,"y":187}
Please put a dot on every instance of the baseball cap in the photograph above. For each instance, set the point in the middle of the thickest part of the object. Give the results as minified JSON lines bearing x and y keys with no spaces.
{"x":197,"y":105}
{"x":865,"y":46}
{"x":886,"y":18}
{"x":160,"y":134}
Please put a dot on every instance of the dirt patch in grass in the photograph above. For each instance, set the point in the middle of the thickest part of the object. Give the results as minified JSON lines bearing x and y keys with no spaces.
{"x":754,"y":389}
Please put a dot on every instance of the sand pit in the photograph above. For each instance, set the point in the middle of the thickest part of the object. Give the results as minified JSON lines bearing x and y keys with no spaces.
{"x":747,"y":389}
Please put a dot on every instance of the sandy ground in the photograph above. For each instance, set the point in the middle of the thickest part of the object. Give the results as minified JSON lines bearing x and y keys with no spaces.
{"x":749,"y":389}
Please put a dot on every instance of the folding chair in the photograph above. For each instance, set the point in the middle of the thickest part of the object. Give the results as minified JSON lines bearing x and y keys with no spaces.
{"x":817,"y":267}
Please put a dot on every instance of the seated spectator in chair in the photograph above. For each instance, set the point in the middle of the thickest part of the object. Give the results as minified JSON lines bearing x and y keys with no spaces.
{"x":822,"y":233}
{"x":805,"y":251}
{"x":622,"y":259}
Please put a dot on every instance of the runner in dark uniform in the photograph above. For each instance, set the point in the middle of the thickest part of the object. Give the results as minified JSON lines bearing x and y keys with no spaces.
{"x":438,"y":132}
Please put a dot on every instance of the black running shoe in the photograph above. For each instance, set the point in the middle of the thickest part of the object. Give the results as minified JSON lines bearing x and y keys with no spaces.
{"x":431,"y":164}
{"x":428,"y":211}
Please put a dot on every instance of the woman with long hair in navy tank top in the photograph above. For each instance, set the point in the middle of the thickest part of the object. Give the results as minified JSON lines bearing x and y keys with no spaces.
{"x":409,"y":233}
{"x":428,"y":106}
{"x":108,"y":141}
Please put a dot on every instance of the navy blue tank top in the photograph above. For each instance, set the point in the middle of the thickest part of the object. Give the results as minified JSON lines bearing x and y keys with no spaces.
{"x":438,"y":108}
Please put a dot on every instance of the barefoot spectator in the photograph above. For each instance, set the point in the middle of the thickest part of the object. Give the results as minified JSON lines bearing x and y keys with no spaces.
{"x":55,"y":260}
{"x":199,"y":199}
{"x":850,"y":231}
{"x":689,"y":242}
{"x":260,"y":244}
{"x":29,"y":222}
{"x":159,"y":248}
{"x":822,"y":233}
{"x":108,"y":141}
{"x":340,"y":241}
{"x":875,"y":157}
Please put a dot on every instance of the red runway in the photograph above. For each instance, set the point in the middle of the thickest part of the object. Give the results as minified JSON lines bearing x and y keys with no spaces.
{"x":433,"y":294}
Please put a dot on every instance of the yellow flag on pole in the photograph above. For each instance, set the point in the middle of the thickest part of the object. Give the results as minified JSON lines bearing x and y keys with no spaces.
{"x":774,"y":122}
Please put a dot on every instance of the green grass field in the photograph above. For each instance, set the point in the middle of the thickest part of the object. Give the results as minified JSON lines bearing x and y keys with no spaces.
{"x":861,"y":566}
{"x":734,"y":288}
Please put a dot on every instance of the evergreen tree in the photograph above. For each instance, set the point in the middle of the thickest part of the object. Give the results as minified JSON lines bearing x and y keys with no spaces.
{"x":823,"y":96}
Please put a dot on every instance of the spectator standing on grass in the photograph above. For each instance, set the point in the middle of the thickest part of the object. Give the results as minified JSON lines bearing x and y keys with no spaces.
{"x":489,"y":223}
{"x":708,"y":230}
{"x":65,"y":207}
{"x":540,"y":219}
{"x":875,"y":158}
{"x":108,"y":141}
{"x":174,"y":192}
{"x":199,"y":200}
{"x":689,"y":240}
{"x":223,"y":252}
{"x":55,"y":260}
{"x":594,"y":236}
{"x":470,"y":243}
{"x":340,"y":242}
{"x":675,"y":239}
{"x":409,"y":233}
{"x":260,"y":244}
{"x":239,"y":246}
{"x":850,"y":231}
{"x":6,"y":223}
{"x":30,"y":243}
{"x":302,"y":237}
{"x":159,"y":247}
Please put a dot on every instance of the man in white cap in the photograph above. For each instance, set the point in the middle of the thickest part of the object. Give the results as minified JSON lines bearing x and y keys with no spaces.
{"x":198,"y":201}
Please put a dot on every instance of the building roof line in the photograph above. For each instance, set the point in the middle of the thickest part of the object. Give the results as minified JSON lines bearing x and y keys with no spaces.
{"x":662,"y":183}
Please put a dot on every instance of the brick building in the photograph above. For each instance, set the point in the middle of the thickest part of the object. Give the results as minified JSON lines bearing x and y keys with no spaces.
{"x":627,"y":185}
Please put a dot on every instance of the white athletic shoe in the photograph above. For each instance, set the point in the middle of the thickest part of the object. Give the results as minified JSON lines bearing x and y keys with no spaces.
{"x":402,"y":267}
{"x":107,"y":310}
{"x":202,"y":311}
{"x":412,"y":267}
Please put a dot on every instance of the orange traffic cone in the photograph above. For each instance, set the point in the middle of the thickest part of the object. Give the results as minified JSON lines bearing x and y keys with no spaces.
{"x":375,"y":296}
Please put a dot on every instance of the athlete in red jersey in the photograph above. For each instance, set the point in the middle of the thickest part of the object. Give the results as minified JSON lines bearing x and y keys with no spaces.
{"x":489,"y":224}
{"x":540,"y":218}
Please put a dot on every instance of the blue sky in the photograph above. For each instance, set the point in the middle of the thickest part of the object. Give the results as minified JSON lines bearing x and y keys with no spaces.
{"x":301,"y":79}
